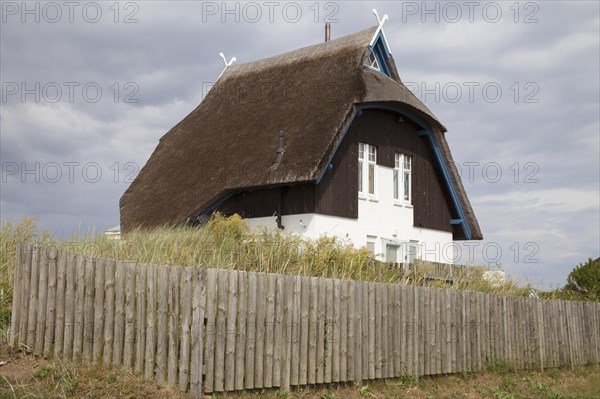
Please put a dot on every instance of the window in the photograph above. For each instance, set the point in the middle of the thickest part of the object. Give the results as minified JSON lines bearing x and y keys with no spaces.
{"x":403,"y":178}
{"x":371,"y":244}
{"x":371,"y":61}
{"x":410,"y":252}
{"x":367,"y":159}
{"x":391,"y":253}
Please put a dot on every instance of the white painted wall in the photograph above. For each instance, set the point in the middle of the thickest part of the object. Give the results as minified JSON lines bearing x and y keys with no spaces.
{"x":380,"y":217}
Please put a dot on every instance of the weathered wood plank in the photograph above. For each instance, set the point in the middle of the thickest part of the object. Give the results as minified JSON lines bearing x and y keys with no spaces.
{"x":286,"y":349}
{"x":372,"y":330}
{"x":50,"y":323}
{"x":365,"y":327}
{"x":174,"y":320}
{"x":88,"y":312}
{"x":343,"y":328}
{"x":99,"y":291}
{"x":250,"y":332}
{"x":295,"y":355}
{"x":321,"y":333}
{"x":303,"y":336}
{"x":384,"y":344}
{"x":312,"y":330}
{"x":151,"y":321}
{"x":185,"y":328}
{"x":15,"y":315}
{"x":140,"y":317}
{"x":211,"y":329}
{"x":278,"y":331}
{"x":259,"y":337}
{"x":351,"y":328}
{"x":162,"y":331}
{"x":79,"y":309}
{"x":335,"y":341}
{"x":130,"y":325}
{"x":358,"y":333}
{"x":222,"y":290}
{"x":198,"y":337}
{"x":397,"y":308}
{"x":269,"y":328}
{"x":329,"y":330}
{"x":109,"y":315}
{"x":241,"y":341}
{"x":119,"y":330}
{"x":33,"y":298}
{"x":61,"y":282}
{"x":25,"y":293}
{"x":70,"y":276}
{"x":42,"y":290}
{"x":232,"y":304}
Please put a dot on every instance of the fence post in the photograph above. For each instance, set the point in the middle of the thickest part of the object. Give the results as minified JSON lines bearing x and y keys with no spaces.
{"x":16,"y":305}
{"x":416,"y":335}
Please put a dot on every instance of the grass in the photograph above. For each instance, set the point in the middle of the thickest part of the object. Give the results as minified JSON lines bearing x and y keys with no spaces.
{"x":226,"y":243}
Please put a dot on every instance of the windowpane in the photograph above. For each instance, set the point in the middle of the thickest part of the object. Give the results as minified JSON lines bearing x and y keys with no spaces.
{"x":371,"y":179}
{"x":360,"y":177}
{"x":406,"y":186}
{"x":372,"y":154}
{"x":397,"y":161}
{"x":361,"y":151}
{"x":391,"y":253}
{"x":371,"y":247}
{"x":396,"y":184}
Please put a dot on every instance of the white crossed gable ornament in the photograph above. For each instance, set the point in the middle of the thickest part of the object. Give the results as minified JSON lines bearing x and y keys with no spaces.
{"x":227,"y":64}
{"x":381,"y":22}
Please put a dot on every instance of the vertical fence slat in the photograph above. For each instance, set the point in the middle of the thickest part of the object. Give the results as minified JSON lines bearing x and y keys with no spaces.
{"x":119,"y":325}
{"x":151,"y":320}
{"x":70,"y":300}
{"x":278,"y":331}
{"x":15,"y":315}
{"x":198,"y":332}
{"x":98,"y":328}
{"x":232,"y":304}
{"x":321,"y":326}
{"x":109,"y":318}
{"x":184,"y":330}
{"x":162,"y":343}
{"x":25,"y":293}
{"x":259,"y":347}
{"x":295,"y":338}
{"x":343,"y":328}
{"x":351,"y":331}
{"x":287,"y":327}
{"x":174,"y":314}
{"x":335,"y":342}
{"x":88,"y":315}
{"x":269,"y":328}
{"x":365,"y":322}
{"x":42,"y":290}
{"x":312,"y":330}
{"x":241,"y":341}
{"x":130,"y":325}
{"x":328,"y":330}
{"x":358,"y":335}
{"x":384,"y":344}
{"x":33,"y":298}
{"x":372,"y":328}
{"x":303,"y":324}
{"x":140,"y":317}
{"x":50,"y":322}
{"x":59,"y":328}
{"x":250,"y":331}
{"x":211,"y":328}
{"x":79,"y":308}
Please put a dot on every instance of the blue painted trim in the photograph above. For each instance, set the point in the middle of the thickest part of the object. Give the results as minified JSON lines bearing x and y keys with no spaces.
{"x":382,"y":53}
{"x":427,"y":131}
{"x":456,"y":221}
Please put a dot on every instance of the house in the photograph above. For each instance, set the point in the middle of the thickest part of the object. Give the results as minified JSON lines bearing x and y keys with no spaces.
{"x":321,"y":140}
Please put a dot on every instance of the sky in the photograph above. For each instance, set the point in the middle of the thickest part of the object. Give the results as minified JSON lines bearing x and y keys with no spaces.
{"x":88,"y":89}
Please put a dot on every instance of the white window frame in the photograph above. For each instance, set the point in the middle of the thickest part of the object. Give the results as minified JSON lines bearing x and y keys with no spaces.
{"x":372,"y":62}
{"x":367,"y":162}
{"x":401,"y":176}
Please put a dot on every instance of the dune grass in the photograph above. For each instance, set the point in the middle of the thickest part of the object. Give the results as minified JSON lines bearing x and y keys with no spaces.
{"x":225,"y":242}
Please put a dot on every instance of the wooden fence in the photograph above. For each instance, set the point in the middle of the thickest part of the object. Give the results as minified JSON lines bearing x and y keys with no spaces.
{"x":222,"y":330}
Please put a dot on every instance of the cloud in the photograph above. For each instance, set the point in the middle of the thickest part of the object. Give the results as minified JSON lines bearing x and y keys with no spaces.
{"x":167,"y":58}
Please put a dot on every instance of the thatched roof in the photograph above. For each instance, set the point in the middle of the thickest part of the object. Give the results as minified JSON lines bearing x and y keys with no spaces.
{"x":230,"y":141}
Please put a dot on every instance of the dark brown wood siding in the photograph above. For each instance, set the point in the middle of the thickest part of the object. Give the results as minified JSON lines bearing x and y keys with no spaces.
{"x":337,"y":193}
